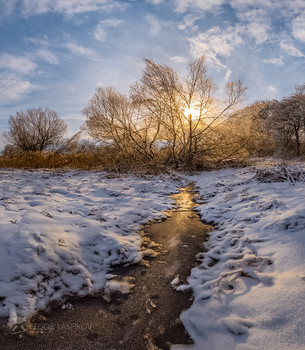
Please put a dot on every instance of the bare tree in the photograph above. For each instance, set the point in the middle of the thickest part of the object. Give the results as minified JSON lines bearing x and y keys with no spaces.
{"x":35,"y":130}
{"x":67,"y":145}
{"x":107,"y":114}
{"x":286,"y":119}
{"x":247,"y":131}
{"x":114,"y":120}
{"x":172,"y":101}
{"x":158,"y":100}
{"x":206,"y":134}
{"x":156,"y":120}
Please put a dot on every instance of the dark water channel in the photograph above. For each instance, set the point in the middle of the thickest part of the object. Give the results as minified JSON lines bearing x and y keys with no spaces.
{"x":147,"y":317}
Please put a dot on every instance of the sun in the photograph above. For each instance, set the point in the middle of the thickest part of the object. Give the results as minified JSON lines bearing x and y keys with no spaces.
{"x":191,"y":111}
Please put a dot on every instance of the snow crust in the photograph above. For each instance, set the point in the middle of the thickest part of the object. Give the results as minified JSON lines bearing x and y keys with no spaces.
{"x":61,"y":232}
{"x":250,"y":285}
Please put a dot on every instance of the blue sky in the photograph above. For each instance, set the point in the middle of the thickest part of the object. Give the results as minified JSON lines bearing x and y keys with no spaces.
{"x":54,"y":53}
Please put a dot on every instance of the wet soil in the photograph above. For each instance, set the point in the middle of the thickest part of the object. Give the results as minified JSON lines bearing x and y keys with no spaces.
{"x":147,"y":318}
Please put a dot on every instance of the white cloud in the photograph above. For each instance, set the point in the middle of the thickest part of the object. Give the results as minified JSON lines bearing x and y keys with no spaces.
{"x":255,"y":16}
{"x":179,"y":59}
{"x":47,"y":56}
{"x":7,"y":6}
{"x":283,"y":9}
{"x":80,"y":50}
{"x":155,"y":24}
{"x":216,"y":42}
{"x":68,"y":7}
{"x":288,"y":47}
{"x":18,"y":64}
{"x":204,"y":5}
{"x":155,"y":2}
{"x":259,"y":31}
{"x":100,"y":31}
{"x":42,"y":42}
{"x":277,"y":61}
{"x":43,"y":52}
{"x":245,"y":4}
{"x":12,"y":88}
{"x":271,"y":88}
{"x":298,"y":27}
{"x":189,"y":21}
{"x":13,"y":81}
{"x":292,"y":8}
{"x":228,"y":74}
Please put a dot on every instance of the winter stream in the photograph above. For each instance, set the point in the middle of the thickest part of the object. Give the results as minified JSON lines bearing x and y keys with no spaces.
{"x":143,"y":312}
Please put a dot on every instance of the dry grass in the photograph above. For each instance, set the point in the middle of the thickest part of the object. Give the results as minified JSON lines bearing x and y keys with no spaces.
{"x":51,"y":160}
{"x":108,"y":159}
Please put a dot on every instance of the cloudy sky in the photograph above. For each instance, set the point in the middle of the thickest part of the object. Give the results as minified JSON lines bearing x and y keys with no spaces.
{"x":54,"y":53}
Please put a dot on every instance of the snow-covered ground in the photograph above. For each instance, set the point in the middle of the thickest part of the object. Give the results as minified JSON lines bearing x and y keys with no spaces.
{"x":250,"y":286}
{"x":61,"y":231}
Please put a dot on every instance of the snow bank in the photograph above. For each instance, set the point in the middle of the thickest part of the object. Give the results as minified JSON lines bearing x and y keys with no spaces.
{"x":60,"y":232}
{"x":249,"y":288}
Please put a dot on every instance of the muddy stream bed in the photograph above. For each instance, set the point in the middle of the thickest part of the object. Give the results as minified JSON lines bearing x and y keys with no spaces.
{"x":146,"y":318}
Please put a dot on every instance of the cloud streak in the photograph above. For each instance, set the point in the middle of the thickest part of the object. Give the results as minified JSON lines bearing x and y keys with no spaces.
{"x":178,"y":59}
{"x":65,"y":7}
{"x":277,"y":61}
{"x":47,"y":56}
{"x":288,"y":47}
{"x":18,"y":64}
{"x":217,"y":43}
{"x":298,"y":27}
{"x":154,"y":23}
{"x":206,"y":5}
{"x":80,"y":50}
{"x":13,"y":87}
{"x":100,"y":31}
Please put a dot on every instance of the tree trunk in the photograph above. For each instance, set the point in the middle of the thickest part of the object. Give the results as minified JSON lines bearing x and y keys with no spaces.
{"x":298,"y":146}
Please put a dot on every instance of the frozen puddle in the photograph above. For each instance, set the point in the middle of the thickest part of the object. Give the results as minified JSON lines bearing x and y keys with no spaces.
{"x":140,"y":306}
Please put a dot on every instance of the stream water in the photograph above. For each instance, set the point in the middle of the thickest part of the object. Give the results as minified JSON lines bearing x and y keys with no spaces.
{"x":145,"y":318}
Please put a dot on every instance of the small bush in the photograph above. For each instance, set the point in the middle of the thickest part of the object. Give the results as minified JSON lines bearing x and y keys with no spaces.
{"x":279,"y":174}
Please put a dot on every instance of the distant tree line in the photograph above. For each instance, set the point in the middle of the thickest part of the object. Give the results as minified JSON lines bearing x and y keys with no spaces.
{"x":164,"y":120}
{"x":275,"y":127}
